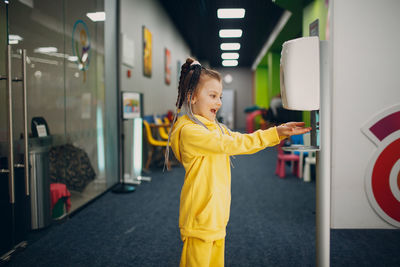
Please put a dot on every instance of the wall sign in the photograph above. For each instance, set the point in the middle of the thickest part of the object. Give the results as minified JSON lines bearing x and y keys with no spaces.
{"x":128,"y":51}
{"x":382,"y":178}
{"x":131,"y":105}
{"x":314,"y":28}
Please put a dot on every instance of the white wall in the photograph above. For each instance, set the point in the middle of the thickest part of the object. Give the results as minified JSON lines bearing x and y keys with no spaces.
{"x":242,"y":84}
{"x":158,"y":96}
{"x":365,"y":37}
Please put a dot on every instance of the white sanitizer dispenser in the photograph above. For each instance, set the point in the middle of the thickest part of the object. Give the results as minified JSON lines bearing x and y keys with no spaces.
{"x":300,"y":74}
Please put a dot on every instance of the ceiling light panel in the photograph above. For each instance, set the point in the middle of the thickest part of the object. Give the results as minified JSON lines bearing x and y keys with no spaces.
{"x":15,"y":37}
{"x":233,"y":33}
{"x":231,"y":13}
{"x":230,"y":55}
{"x":230,"y":63}
{"x":230,"y":46}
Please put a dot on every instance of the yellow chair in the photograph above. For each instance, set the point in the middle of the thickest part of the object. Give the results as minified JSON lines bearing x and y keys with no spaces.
{"x":166,"y":121}
{"x":153,"y":144}
{"x":162,"y":129}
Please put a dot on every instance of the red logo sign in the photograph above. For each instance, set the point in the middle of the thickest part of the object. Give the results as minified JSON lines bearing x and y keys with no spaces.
{"x":382,"y":181}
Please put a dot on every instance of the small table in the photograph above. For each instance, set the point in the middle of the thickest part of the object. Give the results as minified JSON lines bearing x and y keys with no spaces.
{"x":301,"y":149}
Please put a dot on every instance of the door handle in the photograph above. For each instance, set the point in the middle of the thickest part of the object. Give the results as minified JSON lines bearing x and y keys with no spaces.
{"x":11,"y":185}
{"x":11,"y":165}
{"x":25,"y":110}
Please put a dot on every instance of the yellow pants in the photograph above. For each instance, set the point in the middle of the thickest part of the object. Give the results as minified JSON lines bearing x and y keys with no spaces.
{"x":198,"y":253}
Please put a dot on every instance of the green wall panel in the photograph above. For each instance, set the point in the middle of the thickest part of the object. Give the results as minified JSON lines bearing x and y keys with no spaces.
{"x":273,"y":75}
{"x":261,"y":87}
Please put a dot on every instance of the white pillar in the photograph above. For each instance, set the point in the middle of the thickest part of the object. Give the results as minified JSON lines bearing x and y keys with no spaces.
{"x":323,"y":181}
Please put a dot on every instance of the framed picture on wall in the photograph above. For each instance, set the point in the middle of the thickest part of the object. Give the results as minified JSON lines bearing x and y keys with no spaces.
{"x":167,"y":66}
{"x":147,"y":52}
{"x":128,"y":51}
{"x":131,"y":105}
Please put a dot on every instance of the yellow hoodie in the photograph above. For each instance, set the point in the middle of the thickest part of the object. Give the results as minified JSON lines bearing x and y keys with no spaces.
{"x":206,"y":192}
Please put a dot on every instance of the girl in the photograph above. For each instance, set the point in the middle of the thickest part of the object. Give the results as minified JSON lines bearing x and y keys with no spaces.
{"x":203,"y":146}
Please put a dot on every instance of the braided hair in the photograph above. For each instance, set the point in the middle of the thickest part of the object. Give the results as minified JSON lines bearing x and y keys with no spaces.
{"x":191,"y":73}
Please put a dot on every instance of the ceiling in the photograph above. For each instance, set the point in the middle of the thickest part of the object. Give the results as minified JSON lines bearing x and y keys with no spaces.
{"x":197,"y":21}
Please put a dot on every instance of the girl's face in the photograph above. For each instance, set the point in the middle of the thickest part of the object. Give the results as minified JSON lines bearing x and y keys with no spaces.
{"x":207,"y":99}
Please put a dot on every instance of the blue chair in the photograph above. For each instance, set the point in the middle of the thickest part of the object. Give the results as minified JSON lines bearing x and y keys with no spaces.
{"x":299,"y":140}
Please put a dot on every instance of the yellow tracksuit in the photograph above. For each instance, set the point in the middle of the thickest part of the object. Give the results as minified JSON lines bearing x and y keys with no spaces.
{"x":206,"y":192}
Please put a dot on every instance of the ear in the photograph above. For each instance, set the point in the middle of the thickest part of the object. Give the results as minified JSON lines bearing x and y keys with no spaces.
{"x":194,"y":99}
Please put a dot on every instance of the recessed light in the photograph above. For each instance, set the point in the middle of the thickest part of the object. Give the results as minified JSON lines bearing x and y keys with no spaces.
{"x":229,"y":63}
{"x":72,"y":58}
{"x":45,"y":50}
{"x":230,"y":46}
{"x":228,"y":78}
{"x":230,"y":55}
{"x":233,"y":33}
{"x":230,"y":13}
{"x":97,"y":16}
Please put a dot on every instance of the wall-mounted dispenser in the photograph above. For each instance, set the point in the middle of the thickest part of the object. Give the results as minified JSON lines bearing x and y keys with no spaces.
{"x":300,"y":80}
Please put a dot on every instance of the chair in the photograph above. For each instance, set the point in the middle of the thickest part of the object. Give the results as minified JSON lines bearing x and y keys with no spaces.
{"x":283,"y":158}
{"x":250,"y":120}
{"x":167,"y":121}
{"x":60,"y":200}
{"x":154,"y":143}
{"x":161,"y":128}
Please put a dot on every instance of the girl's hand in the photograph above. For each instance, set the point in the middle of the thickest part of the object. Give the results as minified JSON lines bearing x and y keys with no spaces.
{"x":292,"y":128}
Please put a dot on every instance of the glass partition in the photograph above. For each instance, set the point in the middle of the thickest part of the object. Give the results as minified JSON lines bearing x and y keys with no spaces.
{"x":65,"y":83}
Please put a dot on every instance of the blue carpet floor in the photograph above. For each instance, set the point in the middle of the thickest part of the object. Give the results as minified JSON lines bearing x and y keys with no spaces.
{"x":272,"y":223}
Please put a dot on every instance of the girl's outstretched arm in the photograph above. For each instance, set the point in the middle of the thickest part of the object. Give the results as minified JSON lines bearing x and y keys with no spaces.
{"x":201,"y":141}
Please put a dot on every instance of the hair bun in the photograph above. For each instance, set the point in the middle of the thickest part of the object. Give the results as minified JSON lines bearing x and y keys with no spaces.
{"x":186,"y":66}
{"x":190,"y":60}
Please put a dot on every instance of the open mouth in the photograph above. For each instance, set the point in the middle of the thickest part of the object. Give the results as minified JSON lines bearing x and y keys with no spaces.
{"x":214,"y":111}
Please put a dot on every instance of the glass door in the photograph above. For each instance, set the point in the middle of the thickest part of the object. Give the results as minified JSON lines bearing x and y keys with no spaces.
{"x":14,"y":176}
